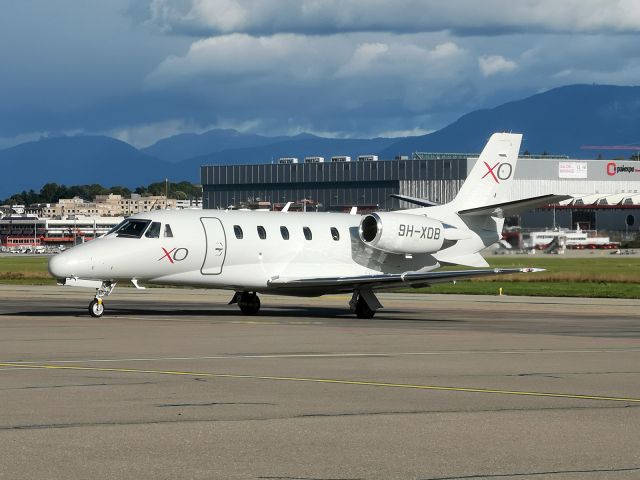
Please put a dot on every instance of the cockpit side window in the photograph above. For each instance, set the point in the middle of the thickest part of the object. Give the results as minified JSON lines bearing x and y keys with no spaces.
{"x":153,"y":231}
{"x":167,"y":231}
{"x":132,"y":228}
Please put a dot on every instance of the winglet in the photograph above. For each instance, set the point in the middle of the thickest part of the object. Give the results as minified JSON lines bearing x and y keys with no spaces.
{"x":353,"y":211}
{"x":286,"y":207}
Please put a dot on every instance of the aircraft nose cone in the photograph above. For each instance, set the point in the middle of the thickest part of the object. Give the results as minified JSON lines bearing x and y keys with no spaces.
{"x":59,"y":266}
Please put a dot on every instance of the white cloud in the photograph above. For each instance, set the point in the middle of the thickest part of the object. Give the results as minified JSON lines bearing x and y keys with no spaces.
{"x":410,"y":132}
{"x":8,"y":142}
{"x":292,"y":57}
{"x":400,"y":56}
{"x":493,"y":64}
{"x":145,"y":134}
{"x":283,"y":55}
{"x":364,"y":56}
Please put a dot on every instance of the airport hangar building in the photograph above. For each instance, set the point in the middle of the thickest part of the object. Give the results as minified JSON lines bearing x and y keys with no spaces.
{"x":606,"y":193}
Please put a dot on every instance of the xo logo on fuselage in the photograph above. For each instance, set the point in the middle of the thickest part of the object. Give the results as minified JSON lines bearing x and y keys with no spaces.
{"x":174,"y":255}
{"x":500,"y":171}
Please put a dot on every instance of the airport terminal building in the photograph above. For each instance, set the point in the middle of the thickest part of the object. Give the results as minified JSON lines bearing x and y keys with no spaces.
{"x":606,"y":192}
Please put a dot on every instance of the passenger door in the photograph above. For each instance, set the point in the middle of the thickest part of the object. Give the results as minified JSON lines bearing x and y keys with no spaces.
{"x":216,"y":246}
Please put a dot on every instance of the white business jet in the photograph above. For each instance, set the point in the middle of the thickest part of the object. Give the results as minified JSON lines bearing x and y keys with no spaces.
{"x":308,"y":254}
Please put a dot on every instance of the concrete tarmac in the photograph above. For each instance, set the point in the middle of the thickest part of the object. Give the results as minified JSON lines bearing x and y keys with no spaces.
{"x":174,"y":384}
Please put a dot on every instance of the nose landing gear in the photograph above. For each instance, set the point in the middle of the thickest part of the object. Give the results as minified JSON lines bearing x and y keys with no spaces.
{"x":96,"y":307}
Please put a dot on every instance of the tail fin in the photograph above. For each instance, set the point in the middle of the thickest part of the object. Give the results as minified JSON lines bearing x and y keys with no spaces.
{"x":490,"y":178}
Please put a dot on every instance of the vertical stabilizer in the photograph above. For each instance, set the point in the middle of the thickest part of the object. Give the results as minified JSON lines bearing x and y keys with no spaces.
{"x":489,"y":181}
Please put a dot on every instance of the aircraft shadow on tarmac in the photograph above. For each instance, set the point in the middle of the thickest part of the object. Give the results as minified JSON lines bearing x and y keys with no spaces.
{"x":289,"y":312}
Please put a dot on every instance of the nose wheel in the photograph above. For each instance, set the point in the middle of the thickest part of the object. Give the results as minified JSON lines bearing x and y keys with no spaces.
{"x":96,"y":307}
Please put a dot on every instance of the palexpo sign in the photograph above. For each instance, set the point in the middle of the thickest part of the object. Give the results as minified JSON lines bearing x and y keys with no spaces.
{"x":614,"y":169}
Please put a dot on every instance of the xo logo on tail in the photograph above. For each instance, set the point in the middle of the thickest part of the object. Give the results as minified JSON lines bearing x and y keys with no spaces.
{"x":500,"y":171}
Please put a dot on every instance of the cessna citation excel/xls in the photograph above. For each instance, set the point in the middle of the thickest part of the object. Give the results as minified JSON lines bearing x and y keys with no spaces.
{"x":308,"y":254}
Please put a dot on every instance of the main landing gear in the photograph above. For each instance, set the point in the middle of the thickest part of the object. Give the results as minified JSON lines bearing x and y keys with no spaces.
{"x":364,"y":303}
{"x":248,"y":302}
{"x":96,"y":307}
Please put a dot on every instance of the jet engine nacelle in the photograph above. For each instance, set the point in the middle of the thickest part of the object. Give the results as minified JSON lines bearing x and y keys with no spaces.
{"x":401,"y":233}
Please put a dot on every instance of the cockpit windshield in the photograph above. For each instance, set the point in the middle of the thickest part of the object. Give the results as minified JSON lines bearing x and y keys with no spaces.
{"x":130,"y":228}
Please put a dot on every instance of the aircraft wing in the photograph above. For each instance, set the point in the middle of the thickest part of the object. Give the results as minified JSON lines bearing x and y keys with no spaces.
{"x":515,"y":206}
{"x":389,"y":280}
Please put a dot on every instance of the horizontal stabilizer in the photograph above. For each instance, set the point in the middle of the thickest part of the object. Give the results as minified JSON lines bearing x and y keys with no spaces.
{"x":514,"y":207}
{"x":414,"y":200}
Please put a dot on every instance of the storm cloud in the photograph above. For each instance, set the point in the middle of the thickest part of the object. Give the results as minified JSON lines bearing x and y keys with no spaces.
{"x":141,"y":70}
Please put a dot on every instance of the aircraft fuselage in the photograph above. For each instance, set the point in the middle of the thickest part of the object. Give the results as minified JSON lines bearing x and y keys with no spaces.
{"x":237,"y":250}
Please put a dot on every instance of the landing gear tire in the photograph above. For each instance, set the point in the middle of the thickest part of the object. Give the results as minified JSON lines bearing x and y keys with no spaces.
{"x":96,"y":308}
{"x":363,"y":310}
{"x":249,"y":303}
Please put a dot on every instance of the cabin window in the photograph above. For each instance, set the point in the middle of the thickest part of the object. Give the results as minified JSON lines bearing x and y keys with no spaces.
{"x":153,"y":231}
{"x":335,"y":234}
{"x":262,"y":233}
{"x":237,"y":229}
{"x":307,"y":233}
{"x":284,"y":231}
{"x":167,"y":231}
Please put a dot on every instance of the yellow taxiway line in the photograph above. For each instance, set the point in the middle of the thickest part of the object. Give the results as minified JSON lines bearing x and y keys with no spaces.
{"x":325,"y":381}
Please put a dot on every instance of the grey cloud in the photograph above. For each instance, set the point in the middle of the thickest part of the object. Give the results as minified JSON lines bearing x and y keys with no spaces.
{"x":322,"y":82}
{"x":343,"y":68}
{"x":462,"y":17}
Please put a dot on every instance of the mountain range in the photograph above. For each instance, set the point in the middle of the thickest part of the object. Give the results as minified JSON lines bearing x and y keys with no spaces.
{"x":557,"y":121}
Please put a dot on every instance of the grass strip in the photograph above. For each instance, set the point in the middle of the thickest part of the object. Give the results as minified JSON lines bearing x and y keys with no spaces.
{"x":598,"y":275}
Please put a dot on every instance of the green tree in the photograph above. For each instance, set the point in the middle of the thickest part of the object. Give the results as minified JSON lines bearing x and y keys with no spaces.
{"x":119,"y":190}
{"x":50,"y":192}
